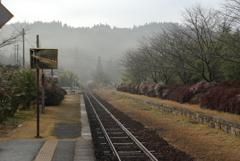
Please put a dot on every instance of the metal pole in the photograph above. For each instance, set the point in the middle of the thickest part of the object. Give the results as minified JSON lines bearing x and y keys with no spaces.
{"x":43,"y":94}
{"x":37,"y":41}
{"x":38,"y":113}
{"x":23,"y":49}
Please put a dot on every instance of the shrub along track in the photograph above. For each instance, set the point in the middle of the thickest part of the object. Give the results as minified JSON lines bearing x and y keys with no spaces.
{"x":153,"y":141}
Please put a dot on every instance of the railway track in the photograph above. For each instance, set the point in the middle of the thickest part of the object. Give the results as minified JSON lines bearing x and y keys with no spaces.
{"x":112,"y":139}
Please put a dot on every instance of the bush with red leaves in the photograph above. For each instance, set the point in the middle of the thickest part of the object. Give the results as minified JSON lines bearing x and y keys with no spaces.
{"x":185,"y":94}
{"x":159,"y":88}
{"x":170,"y":93}
{"x":202,"y":86}
{"x":224,"y":97}
{"x":122,"y":87}
{"x":179,"y":93}
{"x":143,"y":88}
{"x":54,"y":96}
{"x":63,"y":91}
{"x":133,"y":88}
{"x":151,"y":92}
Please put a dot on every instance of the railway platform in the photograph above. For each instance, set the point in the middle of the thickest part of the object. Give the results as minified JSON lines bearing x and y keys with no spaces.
{"x":51,"y":150}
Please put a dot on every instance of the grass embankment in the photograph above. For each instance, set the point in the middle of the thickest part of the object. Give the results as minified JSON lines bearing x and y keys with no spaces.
{"x":188,"y":106}
{"x":199,"y":141}
{"x":67,"y":112}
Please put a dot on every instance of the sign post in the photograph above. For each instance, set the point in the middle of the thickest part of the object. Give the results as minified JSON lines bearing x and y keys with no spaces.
{"x":42,"y":58}
{"x":38,"y":112}
{"x":5,"y":15}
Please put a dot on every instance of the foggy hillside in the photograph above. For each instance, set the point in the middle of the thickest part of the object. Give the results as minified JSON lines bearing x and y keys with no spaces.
{"x":78,"y":48}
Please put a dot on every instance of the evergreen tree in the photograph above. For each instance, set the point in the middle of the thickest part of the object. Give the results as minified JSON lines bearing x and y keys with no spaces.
{"x":99,"y":70}
{"x":98,"y":74}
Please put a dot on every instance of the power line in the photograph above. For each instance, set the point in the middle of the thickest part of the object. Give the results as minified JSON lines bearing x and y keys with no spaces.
{"x":29,"y":42}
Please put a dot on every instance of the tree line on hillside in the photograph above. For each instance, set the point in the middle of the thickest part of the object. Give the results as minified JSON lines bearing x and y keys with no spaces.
{"x":204,"y":47}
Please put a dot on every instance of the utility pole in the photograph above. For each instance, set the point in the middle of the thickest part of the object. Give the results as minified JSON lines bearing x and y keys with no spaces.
{"x":15,"y":57}
{"x":16,"y":54}
{"x":23,"y":33}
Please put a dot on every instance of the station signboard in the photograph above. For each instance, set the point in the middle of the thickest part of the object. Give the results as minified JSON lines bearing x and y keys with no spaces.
{"x":42,"y":58}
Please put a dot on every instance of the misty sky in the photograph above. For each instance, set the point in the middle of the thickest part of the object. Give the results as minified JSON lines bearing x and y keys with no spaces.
{"x":86,"y":13}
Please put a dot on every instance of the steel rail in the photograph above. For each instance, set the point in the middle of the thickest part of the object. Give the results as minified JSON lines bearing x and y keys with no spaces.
{"x":144,"y":149}
{"x":104,"y":131}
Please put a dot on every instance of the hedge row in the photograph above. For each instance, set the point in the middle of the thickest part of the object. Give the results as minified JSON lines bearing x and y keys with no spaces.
{"x":224,"y":96}
{"x":175,"y":92}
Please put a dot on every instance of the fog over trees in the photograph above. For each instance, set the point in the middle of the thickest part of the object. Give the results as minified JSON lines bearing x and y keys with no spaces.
{"x":205,"y":47}
{"x":78,"y":48}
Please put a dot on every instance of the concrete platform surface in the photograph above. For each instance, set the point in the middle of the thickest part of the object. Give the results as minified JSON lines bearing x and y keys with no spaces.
{"x":51,"y":150}
{"x":46,"y":150}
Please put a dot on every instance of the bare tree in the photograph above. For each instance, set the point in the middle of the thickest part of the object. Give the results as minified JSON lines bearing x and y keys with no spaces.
{"x":231,"y":38}
{"x":231,"y":11}
{"x":150,"y":58}
{"x":159,"y":64}
{"x":134,"y":65}
{"x":8,"y":39}
{"x":172,"y":52}
{"x":197,"y":40}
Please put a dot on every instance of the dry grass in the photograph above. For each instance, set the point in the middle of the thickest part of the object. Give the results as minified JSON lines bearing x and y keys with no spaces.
{"x":188,"y":106}
{"x":199,"y":141}
{"x":13,"y":122}
{"x":67,"y":112}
